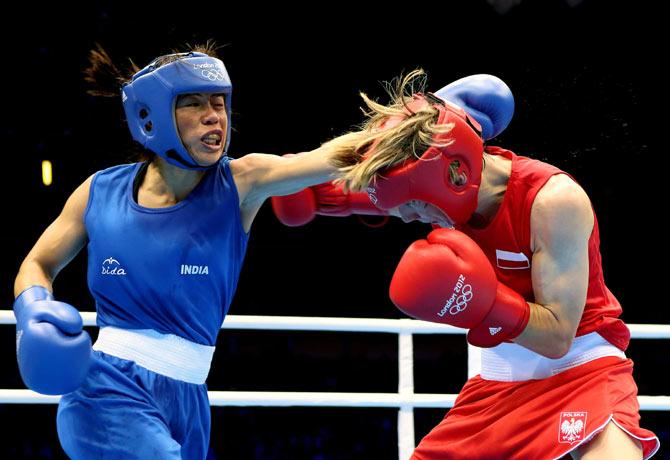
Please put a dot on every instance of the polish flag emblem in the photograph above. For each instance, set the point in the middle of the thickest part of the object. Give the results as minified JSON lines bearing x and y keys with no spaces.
{"x":511,"y":260}
{"x":572,"y":427}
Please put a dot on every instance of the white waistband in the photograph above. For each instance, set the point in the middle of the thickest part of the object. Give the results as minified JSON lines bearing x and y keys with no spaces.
{"x":164,"y":354}
{"x":509,"y":362}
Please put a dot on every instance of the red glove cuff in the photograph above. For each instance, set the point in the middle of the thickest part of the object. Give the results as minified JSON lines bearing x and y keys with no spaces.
{"x":507,"y":319}
{"x":333,"y":201}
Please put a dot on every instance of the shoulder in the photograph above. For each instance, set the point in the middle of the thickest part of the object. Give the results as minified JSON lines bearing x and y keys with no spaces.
{"x":118,"y":169}
{"x":561,"y":210}
{"x":253,"y":170}
{"x":114,"y":174}
{"x":561,"y":194}
{"x":246,"y":172}
{"x":107,"y":177}
{"x":78,"y":200}
{"x":85,"y":187}
{"x":250,"y":162}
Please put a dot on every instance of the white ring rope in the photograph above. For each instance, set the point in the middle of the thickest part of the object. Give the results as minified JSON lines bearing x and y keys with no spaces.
{"x":313,"y":399}
{"x":301,"y":323}
{"x":405,"y":400}
{"x":336,"y":324}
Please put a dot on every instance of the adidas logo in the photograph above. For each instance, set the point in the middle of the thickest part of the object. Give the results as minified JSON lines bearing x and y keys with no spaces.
{"x":494,"y":330}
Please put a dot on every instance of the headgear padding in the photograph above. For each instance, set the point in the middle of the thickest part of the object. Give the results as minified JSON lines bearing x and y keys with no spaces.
{"x":427,"y":178}
{"x":149,"y":102}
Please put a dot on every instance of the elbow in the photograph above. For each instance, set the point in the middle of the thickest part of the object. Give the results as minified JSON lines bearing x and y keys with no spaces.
{"x":560,"y":346}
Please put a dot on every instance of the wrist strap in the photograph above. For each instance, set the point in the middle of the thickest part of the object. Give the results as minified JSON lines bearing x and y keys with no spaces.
{"x":29,"y":295}
{"x":507,"y":319}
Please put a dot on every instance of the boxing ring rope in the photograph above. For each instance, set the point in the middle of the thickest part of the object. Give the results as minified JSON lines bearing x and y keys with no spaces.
{"x":405,"y":399}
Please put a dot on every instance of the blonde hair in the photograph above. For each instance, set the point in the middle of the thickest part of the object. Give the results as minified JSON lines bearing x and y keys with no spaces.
{"x":408,"y":139}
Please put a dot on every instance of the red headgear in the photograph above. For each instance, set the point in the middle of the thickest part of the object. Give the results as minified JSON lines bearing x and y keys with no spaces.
{"x":427,"y":178}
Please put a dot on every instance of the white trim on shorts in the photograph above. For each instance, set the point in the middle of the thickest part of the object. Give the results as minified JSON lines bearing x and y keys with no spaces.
{"x":164,"y":354}
{"x":509,"y":362}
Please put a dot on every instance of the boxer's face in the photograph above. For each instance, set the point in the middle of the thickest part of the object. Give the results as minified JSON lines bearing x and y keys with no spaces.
{"x":423,"y":212}
{"x":202,"y":123}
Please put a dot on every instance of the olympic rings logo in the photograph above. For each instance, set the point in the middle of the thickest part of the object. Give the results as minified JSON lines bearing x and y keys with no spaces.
{"x":461,"y":302}
{"x":213,"y":75}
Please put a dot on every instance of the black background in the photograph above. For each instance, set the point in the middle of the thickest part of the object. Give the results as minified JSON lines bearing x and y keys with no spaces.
{"x":584,"y":75}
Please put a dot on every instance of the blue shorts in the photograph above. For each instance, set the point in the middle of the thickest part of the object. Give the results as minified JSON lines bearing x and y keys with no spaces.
{"x":126,"y":411}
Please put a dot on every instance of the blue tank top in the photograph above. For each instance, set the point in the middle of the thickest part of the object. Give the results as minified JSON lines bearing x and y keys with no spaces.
{"x":172,"y":269}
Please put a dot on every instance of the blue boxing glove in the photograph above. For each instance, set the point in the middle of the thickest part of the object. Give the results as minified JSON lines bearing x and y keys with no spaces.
{"x":52,"y":349}
{"x":485,"y":98}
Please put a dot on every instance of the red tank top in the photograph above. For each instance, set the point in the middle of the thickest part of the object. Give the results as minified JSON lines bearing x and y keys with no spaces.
{"x":506,"y":242}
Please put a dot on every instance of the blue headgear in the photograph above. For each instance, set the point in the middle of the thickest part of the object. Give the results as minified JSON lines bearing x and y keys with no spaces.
{"x":149,"y":102}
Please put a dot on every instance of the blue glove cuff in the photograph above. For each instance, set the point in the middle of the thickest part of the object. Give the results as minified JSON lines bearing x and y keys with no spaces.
{"x":30,"y":295}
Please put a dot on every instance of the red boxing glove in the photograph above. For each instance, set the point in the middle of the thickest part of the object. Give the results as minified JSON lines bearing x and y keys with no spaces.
{"x":325,"y":199}
{"x":296,"y":209}
{"x":448,"y":279}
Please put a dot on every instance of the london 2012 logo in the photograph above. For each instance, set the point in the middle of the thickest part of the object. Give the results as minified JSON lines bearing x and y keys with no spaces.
{"x":458,"y":302}
{"x":210,"y":72}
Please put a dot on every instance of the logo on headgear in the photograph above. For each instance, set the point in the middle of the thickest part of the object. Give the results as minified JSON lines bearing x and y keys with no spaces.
{"x":213,"y":75}
{"x":372,"y":194}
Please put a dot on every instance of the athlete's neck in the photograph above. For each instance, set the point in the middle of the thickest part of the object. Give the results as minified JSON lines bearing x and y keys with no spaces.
{"x":495,"y":176}
{"x":166,"y":185}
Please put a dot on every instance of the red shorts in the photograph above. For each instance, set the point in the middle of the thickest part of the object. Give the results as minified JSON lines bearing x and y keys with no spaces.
{"x":539,"y":418}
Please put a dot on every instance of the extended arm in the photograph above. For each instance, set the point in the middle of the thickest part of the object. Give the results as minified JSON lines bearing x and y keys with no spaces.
{"x":260,"y":176}
{"x":486,"y":98}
